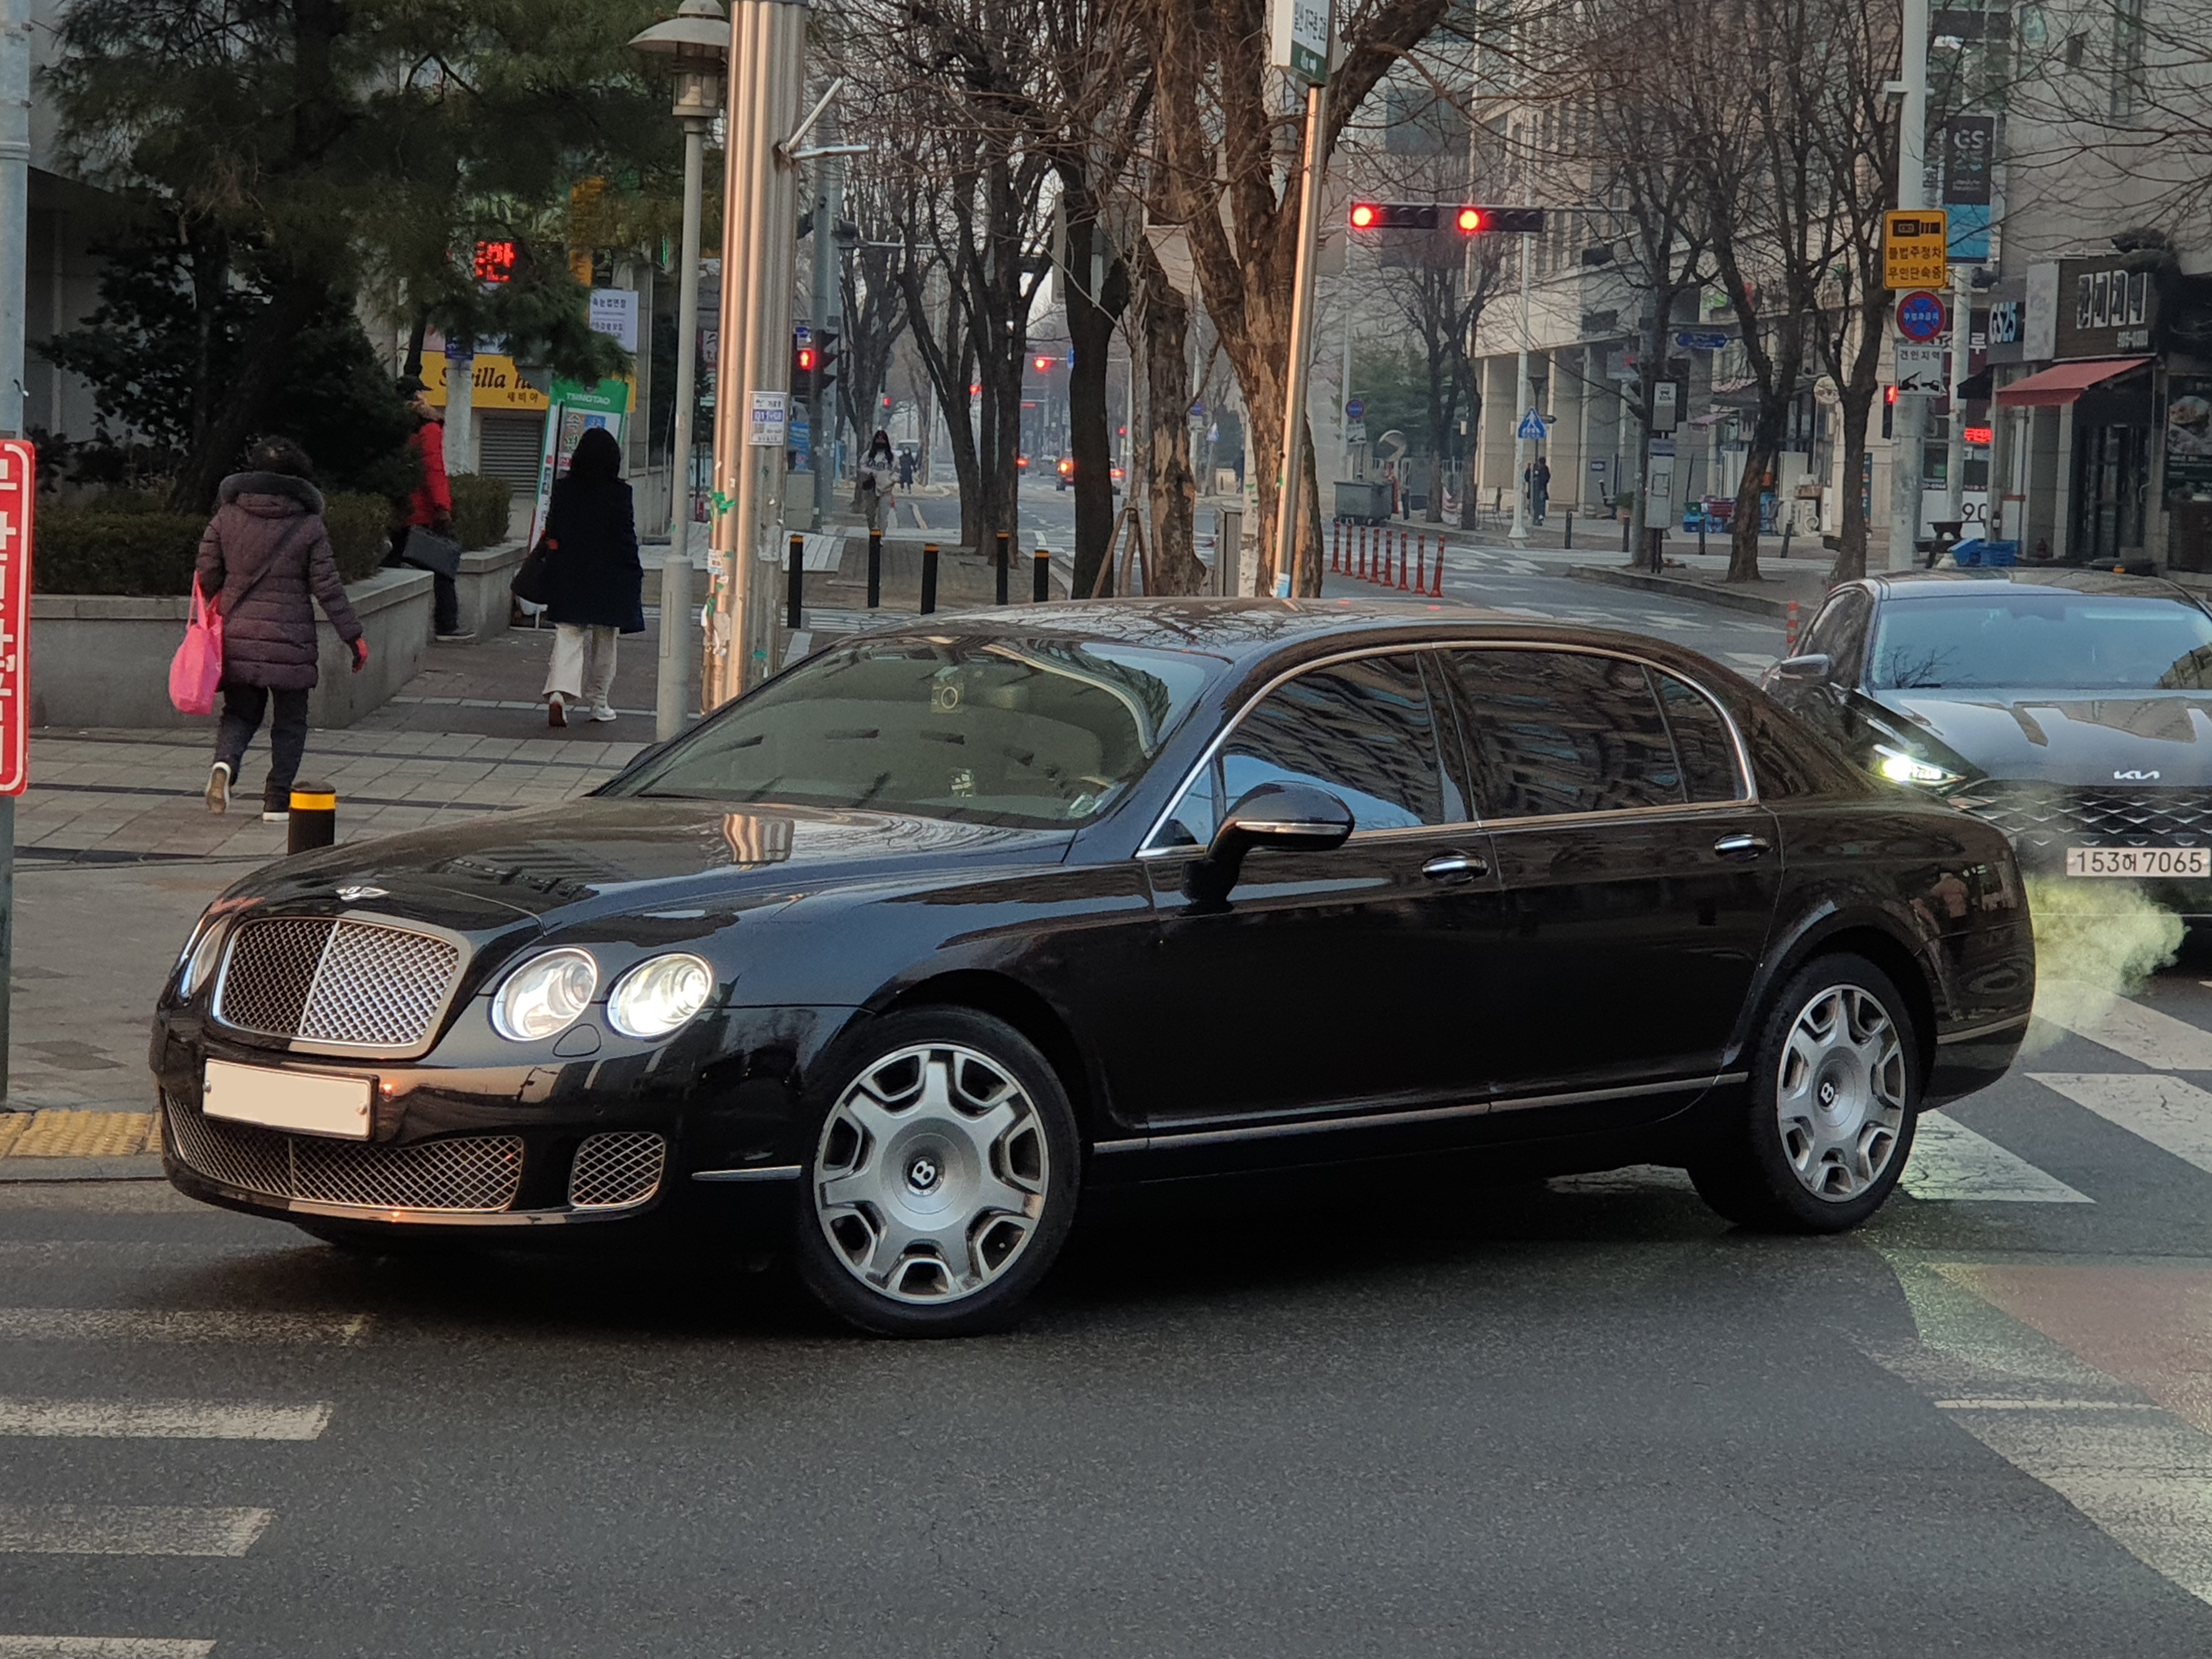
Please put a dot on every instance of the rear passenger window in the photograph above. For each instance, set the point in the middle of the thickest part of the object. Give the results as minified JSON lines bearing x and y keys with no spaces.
{"x":1558,"y":731}
{"x":1361,"y":730}
{"x":1701,"y":741}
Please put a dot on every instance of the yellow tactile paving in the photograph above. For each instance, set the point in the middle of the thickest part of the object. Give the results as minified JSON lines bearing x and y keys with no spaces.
{"x":75,"y":1134}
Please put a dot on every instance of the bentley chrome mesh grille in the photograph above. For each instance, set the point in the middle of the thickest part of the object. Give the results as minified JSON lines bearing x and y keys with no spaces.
{"x":613,"y":1171}
{"x":2042,"y":818}
{"x":359,"y":983}
{"x":474,"y":1173}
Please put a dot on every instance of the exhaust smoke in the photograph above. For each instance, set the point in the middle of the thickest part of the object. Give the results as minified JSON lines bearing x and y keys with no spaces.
{"x":2094,"y":942}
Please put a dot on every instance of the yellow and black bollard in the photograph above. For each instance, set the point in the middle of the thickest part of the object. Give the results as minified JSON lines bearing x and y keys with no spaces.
{"x":314,"y":821}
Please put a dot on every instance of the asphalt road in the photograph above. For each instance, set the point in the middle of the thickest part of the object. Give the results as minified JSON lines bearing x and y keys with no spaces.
{"x":1390,"y":1413}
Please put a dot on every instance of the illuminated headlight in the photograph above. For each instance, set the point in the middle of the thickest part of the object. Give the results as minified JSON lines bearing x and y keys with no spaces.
{"x":655,"y":997}
{"x":202,"y":952}
{"x":1900,"y":768}
{"x":544,"y":996}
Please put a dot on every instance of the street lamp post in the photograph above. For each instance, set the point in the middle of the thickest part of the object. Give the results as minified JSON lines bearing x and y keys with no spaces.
{"x":695,"y":44}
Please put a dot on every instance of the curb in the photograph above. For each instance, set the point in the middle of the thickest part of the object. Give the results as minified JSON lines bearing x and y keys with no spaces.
{"x":1702,"y":594}
{"x":144,"y":1167}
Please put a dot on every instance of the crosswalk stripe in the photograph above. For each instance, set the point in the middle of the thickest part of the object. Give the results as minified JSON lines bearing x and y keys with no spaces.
{"x":103,"y":1646}
{"x":161,"y":1419}
{"x":2145,"y":1035}
{"x":2173,"y":1116}
{"x":1951,"y":1161}
{"x":128,"y":1529}
{"x":160,"y":1325}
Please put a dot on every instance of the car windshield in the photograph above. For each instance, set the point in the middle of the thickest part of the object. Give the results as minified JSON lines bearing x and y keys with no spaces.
{"x":1028,"y":733}
{"x":2045,"y":639}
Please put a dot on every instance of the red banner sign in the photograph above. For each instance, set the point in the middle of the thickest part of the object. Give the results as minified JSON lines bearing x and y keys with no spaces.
{"x":19,"y":493}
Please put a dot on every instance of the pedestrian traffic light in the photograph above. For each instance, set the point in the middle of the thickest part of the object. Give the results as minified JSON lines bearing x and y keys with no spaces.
{"x":804,"y":359}
{"x":826,"y":357}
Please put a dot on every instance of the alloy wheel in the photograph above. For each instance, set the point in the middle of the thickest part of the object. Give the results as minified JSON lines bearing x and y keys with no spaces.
{"x":931,"y":1173}
{"x":1840,"y":1092}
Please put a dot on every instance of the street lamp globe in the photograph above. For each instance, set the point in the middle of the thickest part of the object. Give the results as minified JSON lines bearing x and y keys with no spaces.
{"x":694,"y":45}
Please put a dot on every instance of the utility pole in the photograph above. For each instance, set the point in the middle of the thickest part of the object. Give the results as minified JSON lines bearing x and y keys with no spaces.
{"x":1522,"y":457}
{"x":1909,"y":415}
{"x":15,"y":238}
{"x":1303,"y":40}
{"x":760,"y":223}
{"x":1954,"y":458}
{"x":828,"y":310}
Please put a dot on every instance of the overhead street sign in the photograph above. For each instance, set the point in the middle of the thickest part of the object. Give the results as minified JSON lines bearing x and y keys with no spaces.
{"x":1922,"y":316}
{"x":1916,"y":248}
{"x":1702,"y":342}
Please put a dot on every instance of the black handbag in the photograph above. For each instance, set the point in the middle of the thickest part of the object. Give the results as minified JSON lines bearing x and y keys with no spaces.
{"x":530,"y":583}
{"x":426,"y":549}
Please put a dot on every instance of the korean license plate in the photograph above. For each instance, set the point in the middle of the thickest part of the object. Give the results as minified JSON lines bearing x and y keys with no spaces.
{"x":303,"y":1101}
{"x":2139,"y":861}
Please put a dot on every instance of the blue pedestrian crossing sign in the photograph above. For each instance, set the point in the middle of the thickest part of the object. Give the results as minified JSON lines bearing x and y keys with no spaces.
{"x":1532,"y":426}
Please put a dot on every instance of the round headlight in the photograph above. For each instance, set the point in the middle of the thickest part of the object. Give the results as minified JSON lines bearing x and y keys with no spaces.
{"x":655,"y":997}
{"x":544,"y":996}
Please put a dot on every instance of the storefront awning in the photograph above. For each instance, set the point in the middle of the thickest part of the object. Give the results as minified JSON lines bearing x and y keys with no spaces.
{"x":2058,"y":387}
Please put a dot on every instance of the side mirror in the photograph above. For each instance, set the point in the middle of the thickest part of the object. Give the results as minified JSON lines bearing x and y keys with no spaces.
{"x":1815,"y":667}
{"x":1295,"y":817}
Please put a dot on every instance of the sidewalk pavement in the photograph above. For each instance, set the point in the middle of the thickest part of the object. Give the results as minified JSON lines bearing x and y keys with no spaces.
{"x":117,"y":854}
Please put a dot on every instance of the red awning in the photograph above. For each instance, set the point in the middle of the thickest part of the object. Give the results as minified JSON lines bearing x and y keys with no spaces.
{"x":2055,"y":387}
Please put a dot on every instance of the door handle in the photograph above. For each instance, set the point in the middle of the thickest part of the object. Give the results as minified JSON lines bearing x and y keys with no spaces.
{"x":1456,"y":866}
{"x":1740,"y":846}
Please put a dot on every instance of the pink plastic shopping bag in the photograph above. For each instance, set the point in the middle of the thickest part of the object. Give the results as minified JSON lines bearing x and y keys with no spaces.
{"x":196,"y":669}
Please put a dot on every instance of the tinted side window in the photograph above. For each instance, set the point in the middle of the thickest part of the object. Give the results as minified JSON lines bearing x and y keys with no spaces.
{"x":1361,"y":730}
{"x":1788,"y":760}
{"x":1564,"y":732}
{"x":1838,"y":633}
{"x":1701,"y":741}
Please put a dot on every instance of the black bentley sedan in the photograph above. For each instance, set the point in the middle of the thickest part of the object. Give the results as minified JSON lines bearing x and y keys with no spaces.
{"x":2072,"y":709}
{"x":898,"y":954}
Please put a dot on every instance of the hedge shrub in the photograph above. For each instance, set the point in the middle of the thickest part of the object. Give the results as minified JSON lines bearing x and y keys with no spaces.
{"x":480,"y":507}
{"x":98,"y":549}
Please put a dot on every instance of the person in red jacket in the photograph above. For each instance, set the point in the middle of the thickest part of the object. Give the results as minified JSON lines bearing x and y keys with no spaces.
{"x":431,"y":506}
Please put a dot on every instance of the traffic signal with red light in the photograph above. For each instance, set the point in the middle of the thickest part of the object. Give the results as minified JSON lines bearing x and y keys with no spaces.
{"x":805,"y":358}
{"x":1469,"y":220}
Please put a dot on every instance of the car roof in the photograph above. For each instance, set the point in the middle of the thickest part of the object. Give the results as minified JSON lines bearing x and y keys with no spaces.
{"x":1245,"y":631}
{"x":1927,"y":584}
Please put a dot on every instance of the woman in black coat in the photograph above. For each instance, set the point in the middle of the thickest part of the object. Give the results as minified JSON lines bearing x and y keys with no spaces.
{"x":594,"y":583}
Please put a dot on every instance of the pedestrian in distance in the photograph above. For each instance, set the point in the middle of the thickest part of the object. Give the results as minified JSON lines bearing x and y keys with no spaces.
{"x":1537,"y":475}
{"x":906,"y":469}
{"x":431,"y":506}
{"x":594,"y":583}
{"x":264,"y":562}
{"x":878,"y":480}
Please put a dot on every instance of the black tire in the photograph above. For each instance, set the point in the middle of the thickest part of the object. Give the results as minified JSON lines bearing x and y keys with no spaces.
{"x":920,"y":1168}
{"x":1748,"y":1167}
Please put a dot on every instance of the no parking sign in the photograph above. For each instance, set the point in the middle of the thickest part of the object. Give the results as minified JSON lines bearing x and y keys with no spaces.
{"x":1922,"y":316}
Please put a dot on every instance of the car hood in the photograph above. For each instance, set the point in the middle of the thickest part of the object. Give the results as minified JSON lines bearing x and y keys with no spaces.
{"x":596,"y":857}
{"x":2161,"y":738}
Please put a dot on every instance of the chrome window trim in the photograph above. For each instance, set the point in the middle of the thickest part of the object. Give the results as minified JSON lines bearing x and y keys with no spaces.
{"x":1747,"y":779}
{"x":294,"y":1045}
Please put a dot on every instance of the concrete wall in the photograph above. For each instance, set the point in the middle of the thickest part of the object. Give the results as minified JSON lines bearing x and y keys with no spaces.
{"x":482,"y":587}
{"x":101,"y":660}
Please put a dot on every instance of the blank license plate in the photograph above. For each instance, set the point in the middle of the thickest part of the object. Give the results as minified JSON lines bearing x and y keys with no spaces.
{"x":299,"y":1100}
{"x":2139,"y":861}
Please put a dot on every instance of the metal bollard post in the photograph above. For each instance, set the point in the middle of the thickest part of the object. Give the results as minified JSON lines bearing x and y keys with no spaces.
{"x":1003,"y":538}
{"x":1701,"y":533}
{"x":875,"y":568}
{"x":1786,"y":527}
{"x":1040,"y":576}
{"x":1570,"y":530}
{"x":795,"y":583}
{"x":314,"y":819}
{"x":928,"y":578}
{"x":1626,"y":526}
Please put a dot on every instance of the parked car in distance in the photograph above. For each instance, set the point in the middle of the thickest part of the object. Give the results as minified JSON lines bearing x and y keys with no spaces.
{"x":894,"y":957}
{"x":2072,"y":709}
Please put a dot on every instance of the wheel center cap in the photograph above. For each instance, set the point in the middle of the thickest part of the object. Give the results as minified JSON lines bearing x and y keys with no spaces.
{"x":923,"y":1173}
{"x":1828,"y":1092}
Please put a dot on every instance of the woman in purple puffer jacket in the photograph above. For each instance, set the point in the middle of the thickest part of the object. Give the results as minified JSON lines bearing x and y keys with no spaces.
{"x":263,"y":554}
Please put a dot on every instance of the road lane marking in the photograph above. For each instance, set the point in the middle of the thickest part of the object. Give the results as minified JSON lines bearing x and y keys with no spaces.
{"x":2137,"y":1472}
{"x":160,"y":1325}
{"x":2173,"y":1116}
{"x":128,"y":1529}
{"x":162,"y":1419}
{"x":103,"y":1646}
{"x":2143,"y":1034}
{"x":1951,"y":1163}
